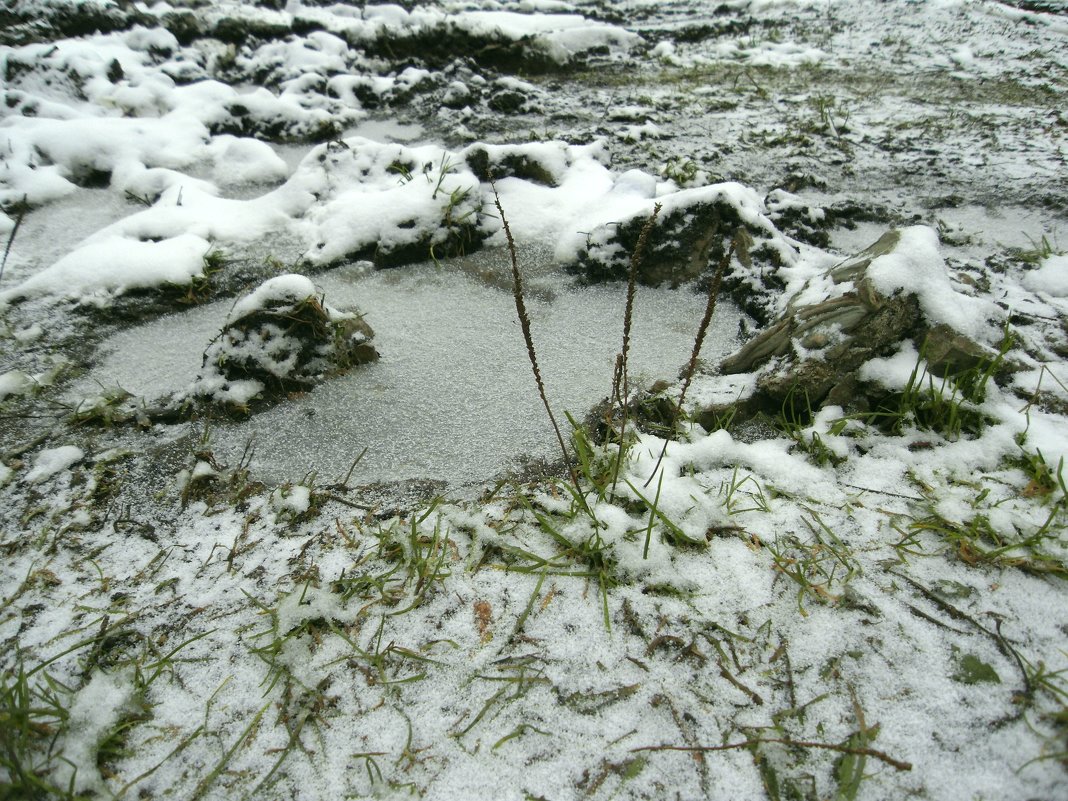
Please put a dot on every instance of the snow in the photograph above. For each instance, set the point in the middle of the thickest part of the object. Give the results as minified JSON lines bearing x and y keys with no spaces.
{"x":52,"y":461}
{"x":15,"y":382}
{"x":438,"y":620}
{"x":915,"y":264}
{"x":240,"y":161}
{"x":282,"y":290}
{"x":114,"y":265}
{"x":1051,"y":277}
{"x":559,"y":36}
{"x":294,"y":500}
{"x":894,"y":371}
{"x":202,"y":470}
{"x":633,"y":194}
{"x":97,"y":709}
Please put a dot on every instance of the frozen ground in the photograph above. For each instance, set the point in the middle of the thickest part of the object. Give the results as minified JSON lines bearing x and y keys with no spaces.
{"x":203,"y":600}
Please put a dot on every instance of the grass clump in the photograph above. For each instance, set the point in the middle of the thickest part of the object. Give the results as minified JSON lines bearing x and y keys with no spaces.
{"x":950,"y":404}
{"x":797,"y":423}
{"x":1021,"y":529}
{"x":201,"y":288}
{"x":45,"y":736}
{"x":817,"y":566}
{"x":1040,"y":250}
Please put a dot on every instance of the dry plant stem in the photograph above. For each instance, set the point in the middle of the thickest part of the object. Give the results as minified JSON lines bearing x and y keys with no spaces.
{"x":842,"y":749}
{"x":524,"y":323}
{"x":699,"y":340}
{"x":620,"y":386}
{"x":11,"y":237}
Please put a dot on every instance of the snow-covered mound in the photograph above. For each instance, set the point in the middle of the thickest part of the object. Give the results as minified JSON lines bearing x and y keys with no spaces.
{"x":280,"y":338}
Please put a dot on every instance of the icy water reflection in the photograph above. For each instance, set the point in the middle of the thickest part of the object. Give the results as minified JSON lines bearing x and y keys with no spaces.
{"x":452,"y":397}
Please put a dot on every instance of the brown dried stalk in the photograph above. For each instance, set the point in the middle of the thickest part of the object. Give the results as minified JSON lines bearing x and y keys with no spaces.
{"x":842,"y":749}
{"x":620,"y":384}
{"x":740,"y":245}
{"x":22,"y":208}
{"x":524,"y":323}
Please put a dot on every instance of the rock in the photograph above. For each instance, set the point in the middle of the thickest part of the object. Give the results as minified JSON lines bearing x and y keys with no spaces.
{"x":836,"y":323}
{"x":279,"y":339}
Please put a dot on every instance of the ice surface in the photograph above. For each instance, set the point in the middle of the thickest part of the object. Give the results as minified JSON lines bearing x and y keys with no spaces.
{"x":51,"y":231}
{"x":452,"y":397}
{"x":384,"y":131}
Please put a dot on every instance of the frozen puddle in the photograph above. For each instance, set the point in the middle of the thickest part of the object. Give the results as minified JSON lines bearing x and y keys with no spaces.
{"x":452,"y":398}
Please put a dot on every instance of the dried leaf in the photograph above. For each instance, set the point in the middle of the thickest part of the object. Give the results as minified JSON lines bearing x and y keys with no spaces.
{"x":483,"y":619}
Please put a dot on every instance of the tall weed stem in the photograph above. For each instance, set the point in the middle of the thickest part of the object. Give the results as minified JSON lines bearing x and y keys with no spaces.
{"x":22,"y":208}
{"x":620,"y":383}
{"x":524,"y":323}
{"x":740,"y":244}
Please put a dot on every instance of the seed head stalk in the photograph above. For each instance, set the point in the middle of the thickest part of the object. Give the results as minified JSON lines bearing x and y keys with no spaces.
{"x":620,"y":382}
{"x":22,"y":208}
{"x":524,"y":323}
{"x":710,"y":307}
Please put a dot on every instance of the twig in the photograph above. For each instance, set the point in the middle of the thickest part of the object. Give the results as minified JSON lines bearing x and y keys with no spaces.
{"x":842,"y":749}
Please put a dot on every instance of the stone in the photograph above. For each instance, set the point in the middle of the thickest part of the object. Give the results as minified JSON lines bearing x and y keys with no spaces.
{"x":811,"y":354}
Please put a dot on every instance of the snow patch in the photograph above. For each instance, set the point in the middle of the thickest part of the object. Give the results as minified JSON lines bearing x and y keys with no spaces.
{"x":51,"y":461}
{"x":1051,"y":278}
{"x":915,"y":266}
{"x":96,"y":711}
{"x":113,"y":265}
